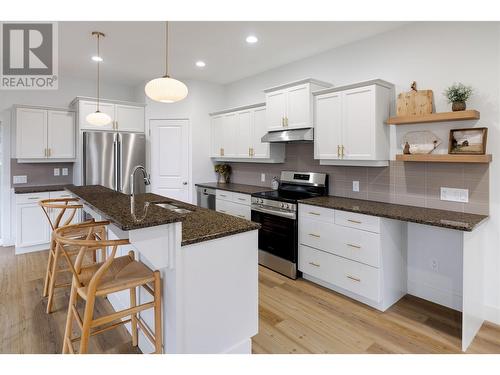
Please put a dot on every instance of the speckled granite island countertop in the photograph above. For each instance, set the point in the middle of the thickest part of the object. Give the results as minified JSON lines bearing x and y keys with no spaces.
{"x":39,"y":188}
{"x":199,"y":225}
{"x":421,"y":215}
{"x":237,"y":188}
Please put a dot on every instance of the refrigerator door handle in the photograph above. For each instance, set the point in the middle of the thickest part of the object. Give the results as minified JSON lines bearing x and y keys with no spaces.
{"x":115,"y":157}
{"x":118,"y":162}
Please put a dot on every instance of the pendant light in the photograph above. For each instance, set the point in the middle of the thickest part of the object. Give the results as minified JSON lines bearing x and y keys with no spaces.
{"x":166,"y":89}
{"x":98,"y":118}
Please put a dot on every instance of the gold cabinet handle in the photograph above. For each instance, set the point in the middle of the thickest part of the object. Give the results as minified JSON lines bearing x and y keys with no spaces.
{"x":252,"y":152}
{"x":221,"y":151}
{"x":354,"y":246}
{"x":353,"y":278}
{"x":222,"y":195}
{"x":314,"y":264}
{"x":354,"y":221}
{"x":249,"y":152}
{"x":314,"y":213}
{"x":242,"y":216}
{"x":50,"y":152}
{"x":241,"y":199}
{"x":283,"y":121}
{"x":314,"y":235}
{"x":286,"y":122}
{"x":342,"y":148}
{"x":338,"y":151}
{"x":32,"y":198}
{"x":116,"y":125}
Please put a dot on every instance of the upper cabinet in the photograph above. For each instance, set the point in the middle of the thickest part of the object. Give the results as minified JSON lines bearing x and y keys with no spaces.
{"x":236,"y":136}
{"x":290,"y":106}
{"x":44,"y":134}
{"x":350,"y":124}
{"x":126,"y":117}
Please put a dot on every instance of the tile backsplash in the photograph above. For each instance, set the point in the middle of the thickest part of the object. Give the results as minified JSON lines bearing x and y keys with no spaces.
{"x":414,"y":184}
{"x":41,"y":173}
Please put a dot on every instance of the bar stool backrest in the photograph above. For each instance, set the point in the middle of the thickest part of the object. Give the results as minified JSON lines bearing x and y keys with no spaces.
{"x":64,"y":205}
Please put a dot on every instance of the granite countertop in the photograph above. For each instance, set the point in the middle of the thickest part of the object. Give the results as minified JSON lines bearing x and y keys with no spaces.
{"x":199,"y":225}
{"x":429,"y":216}
{"x":39,"y":188}
{"x":237,"y":188}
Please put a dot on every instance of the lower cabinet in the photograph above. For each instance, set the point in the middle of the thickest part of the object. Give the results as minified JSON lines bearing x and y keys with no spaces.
{"x":32,"y":227}
{"x":235,"y":204}
{"x":358,"y":255}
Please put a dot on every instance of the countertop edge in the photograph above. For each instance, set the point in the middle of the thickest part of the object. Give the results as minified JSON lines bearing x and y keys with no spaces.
{"x":257,"y":188}
{"x":409,"y":220}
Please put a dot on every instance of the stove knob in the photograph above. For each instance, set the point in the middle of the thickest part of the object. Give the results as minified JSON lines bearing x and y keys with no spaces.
{"x":261,"y":201}
{"x":282,"y":205}
{"x":285,"y":205}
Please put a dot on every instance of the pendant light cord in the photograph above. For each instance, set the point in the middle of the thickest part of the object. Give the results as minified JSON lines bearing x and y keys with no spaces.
{"x":98,"y":75}
{"x":166,"y":48}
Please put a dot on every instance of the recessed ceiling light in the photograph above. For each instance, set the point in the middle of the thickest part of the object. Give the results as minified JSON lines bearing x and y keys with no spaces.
{"x":251,"y":39}
{"x":200,"y":64}
{"x":97,"y":58}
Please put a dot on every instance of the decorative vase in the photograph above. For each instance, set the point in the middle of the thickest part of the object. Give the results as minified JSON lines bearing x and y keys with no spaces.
{"x":458,"y":106}
{"x":222,"y":179}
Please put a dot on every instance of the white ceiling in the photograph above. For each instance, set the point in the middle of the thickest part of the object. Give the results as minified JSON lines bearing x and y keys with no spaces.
{"x":133,"y":52}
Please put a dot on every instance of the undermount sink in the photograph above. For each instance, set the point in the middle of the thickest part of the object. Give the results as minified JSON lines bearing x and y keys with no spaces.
{"x":171,"y":207}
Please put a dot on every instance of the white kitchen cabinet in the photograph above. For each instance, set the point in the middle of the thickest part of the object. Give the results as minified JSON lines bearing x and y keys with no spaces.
{"x":44,"y":134}
{"x":290,"y":106}
{"x":235,"y":204}
{"x":125,"y":116}
{"x":350,"y":124}
{"x":33,"y":230}
{"x":236,"y":136}
{"x":361,"y":256}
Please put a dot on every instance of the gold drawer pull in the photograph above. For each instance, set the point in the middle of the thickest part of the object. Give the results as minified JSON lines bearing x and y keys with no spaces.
{"x":34,"y":198}
{"x":222,"y":195}
{"x":314,"y":213}
{"x":353,"y":278}
{"x":314,"y":235}
{"x":314,"y":264}
{"x":355,"y":246}
{"x":241,"y":199}
{"x":222,"y":211}
{"x":242,"y":216}
{"x":354,"y":221}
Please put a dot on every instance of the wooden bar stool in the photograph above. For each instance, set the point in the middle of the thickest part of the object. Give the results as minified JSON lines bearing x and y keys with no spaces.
{"x":59,"y":212}
{"x":113,"y":275}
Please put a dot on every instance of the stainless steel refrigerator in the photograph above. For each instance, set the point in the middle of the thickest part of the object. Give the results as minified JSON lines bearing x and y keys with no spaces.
{"x":109,"y":158}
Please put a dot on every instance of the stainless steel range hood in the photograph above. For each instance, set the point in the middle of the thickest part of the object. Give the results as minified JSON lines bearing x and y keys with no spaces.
{"x":288,"y":136}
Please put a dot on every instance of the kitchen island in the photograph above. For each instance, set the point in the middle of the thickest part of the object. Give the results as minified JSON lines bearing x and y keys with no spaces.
{"x":208,"y":262}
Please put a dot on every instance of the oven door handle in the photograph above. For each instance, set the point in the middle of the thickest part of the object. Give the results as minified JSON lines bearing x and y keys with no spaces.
{"x":288,"y":215}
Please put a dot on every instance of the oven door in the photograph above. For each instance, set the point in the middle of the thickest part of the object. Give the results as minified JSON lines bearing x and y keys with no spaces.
{"x":278,"y":234}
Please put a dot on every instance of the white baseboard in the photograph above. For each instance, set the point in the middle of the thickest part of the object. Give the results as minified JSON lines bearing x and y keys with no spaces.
{"x":492,"y":314}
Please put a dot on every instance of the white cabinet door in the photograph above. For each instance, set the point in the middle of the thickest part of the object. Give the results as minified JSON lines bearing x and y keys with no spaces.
{"x":275,"y":109}
{"x":129,"y":118}
{"x":61,"y":135}
{"x":243,"y":134}
{"x":31,"y":133}
{"x":217,"y":134}
{"x":32,"y":225}
{"x":358,"y":125}
{"x":328,"y":126}
{"x":85,"y":108}
{"x":298,"y":107}
{"x":228,"y":136}
{"x":260,"y":149}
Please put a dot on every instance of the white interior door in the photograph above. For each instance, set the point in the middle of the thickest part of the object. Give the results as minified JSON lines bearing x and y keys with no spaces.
{"x":170,"y":158}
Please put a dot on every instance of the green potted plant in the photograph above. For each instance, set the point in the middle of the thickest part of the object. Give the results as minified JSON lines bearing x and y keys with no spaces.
{"x":458,"y":94}
{"x":224,"y":172}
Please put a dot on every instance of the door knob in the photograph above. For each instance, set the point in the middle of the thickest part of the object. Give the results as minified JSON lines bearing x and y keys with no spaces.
{"x":185,"y":183}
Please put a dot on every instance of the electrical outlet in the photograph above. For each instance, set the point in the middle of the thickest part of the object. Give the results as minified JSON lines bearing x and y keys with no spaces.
{"x":454,"y":195}
{"x":355,"y":186}
{"x":19,"y":179}
{"x":56,"y":172}
{"x":262,"y":177}
{"x":64,"y":171}
{"x":434,"y":265}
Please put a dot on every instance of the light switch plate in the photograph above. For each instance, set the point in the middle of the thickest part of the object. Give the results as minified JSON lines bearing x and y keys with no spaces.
{"x":355,"y":186}
{"x":64,"y":171}
{"x":454,"y":195}
{"x":262,"y":177}
{"x":19,"y":179}
{"x":56,"y":172}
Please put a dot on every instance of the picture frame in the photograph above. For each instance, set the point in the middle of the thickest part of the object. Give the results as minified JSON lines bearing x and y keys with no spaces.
{"x":468,"y":141}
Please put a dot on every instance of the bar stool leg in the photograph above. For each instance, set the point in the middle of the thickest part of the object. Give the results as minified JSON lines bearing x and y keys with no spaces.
{"x":133,"y":303}
{"x":47,"y":273}
{"x":87,"y":321}
{"x":157,"y":313}
{"x":69,"y":320}
{"x":52,"y":280}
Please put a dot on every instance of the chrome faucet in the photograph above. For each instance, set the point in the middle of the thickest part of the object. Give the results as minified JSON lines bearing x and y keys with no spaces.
{"x":145,"y":175}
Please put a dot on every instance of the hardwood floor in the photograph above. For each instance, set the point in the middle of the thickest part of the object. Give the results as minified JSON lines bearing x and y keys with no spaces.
{"x":296,"y":316}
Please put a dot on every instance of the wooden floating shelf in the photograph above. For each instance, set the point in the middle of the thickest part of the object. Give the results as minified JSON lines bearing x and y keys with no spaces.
{"x":445,"y":158}
{"x":470,"y":114}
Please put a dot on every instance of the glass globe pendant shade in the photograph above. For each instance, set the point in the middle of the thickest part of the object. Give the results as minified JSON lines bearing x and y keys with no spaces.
{"x":98,"y":118}
{"x":166,"y":90}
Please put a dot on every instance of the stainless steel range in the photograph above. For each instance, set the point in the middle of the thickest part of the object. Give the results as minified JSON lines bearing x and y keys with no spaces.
{"x":276,"y":211}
